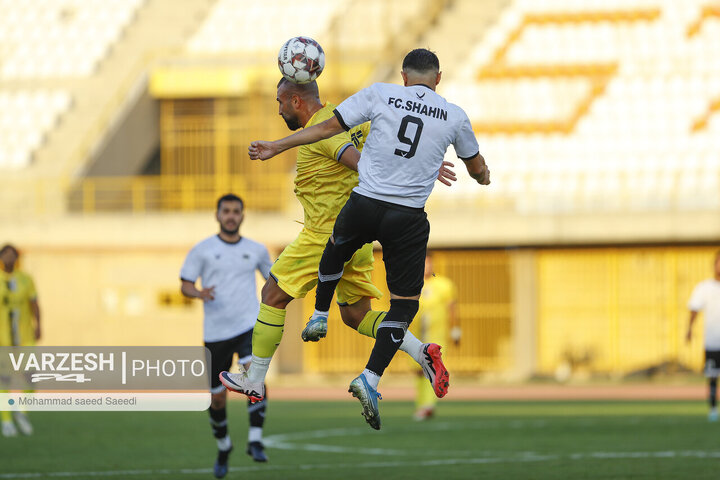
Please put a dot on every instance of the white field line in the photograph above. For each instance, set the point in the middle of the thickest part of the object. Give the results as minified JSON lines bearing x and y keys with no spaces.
{"x":298,"y":441}
{"x":519,"y":457}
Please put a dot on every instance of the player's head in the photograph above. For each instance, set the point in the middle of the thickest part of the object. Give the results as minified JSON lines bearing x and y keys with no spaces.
{"x":9,"y":256}
{"x":421,"y":66}
{"x":230,"y":213}
{"x":428,"y":264}
{"x":293,"y":99}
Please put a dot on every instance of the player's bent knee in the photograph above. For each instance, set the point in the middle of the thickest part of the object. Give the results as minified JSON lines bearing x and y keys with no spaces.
{"x":274,"y":296}
{"x":353,"y":314}
{"x":350,"y":317}
{"x":403,"y":310}
{"x":218,"y":400}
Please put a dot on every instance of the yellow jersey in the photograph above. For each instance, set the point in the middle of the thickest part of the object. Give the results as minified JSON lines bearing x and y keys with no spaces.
{"x":5,"y":335}
{"x":20,"y":292}
{"x":322,"y":184}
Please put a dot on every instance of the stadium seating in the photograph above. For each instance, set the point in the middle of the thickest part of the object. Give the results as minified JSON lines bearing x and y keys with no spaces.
{"x":25,"y":117}
{"x":578,"y":111}
{"x":53,"y":38}
{"x":242,"y":26}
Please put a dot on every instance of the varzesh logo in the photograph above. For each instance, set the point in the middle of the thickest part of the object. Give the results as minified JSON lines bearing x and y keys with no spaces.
{"x":61,"y":367}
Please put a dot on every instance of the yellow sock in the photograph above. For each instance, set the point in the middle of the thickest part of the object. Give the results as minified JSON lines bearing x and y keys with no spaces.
{"x":370,"y":323}
{"x":6,"y":416}
{"x":424,"y":393}
{"x":268,"y":331}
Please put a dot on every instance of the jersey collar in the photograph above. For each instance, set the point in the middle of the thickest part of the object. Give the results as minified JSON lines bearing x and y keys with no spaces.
{"x":229,"y":243}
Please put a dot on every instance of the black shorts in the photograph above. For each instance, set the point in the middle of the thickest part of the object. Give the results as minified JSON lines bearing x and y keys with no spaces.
{"x":712,"y":363}
{"x":221,"y":355}
{"x":402,"y":231}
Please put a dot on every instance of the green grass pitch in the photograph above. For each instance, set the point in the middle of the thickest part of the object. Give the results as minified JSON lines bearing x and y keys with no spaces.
{"x":330,"y":440}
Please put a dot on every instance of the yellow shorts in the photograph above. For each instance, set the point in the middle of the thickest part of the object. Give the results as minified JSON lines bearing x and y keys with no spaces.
{"x":296,"y":269}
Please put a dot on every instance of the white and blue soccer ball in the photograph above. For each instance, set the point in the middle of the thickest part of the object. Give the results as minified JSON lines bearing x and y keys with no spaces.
{"x":301,"y":60}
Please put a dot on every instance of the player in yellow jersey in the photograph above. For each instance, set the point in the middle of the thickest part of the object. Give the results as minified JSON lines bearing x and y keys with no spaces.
{"x":435,"y":321}
{"x":326,"y":174}
{"x":21,"y":325}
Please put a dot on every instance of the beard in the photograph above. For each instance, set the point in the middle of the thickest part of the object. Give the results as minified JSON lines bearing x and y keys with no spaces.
{"x":292,"y":123}
{"x":229,"y":231}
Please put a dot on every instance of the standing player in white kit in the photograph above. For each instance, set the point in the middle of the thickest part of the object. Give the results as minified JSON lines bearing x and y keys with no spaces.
{"x":411,"y":129}
{"x":227,"y":263}
{"x":706,"y":297}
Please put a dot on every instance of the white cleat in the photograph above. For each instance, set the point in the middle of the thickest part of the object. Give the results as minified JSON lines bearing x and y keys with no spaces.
{"x":23,"y":423}
{"x":8,"y":429}
{"x":240,"y":383}
{"x":434,"y":369}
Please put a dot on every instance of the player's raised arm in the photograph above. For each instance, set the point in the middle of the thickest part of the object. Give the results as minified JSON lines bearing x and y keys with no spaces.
{"x":261,"y":150}
{"x":478,"y":169}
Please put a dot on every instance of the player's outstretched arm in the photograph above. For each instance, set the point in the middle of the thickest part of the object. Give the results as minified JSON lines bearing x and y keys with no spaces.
{"x":478,"y":170}
{"x":350,"y":158}
{"x":261,"y":150}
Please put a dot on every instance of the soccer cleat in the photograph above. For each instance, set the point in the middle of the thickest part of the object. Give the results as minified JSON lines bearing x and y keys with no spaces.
{"x":220,"y":469}
{"x":8,"y":429}
{"x":434,"y":369}
{"x":239,"y":382}
{"x":368,"y":397}
{"x":424,"y":413}
{"x":315,"y":329}
{"x":23,"y":424}
{"x":713,"y":415}
{"x":257,"y":451}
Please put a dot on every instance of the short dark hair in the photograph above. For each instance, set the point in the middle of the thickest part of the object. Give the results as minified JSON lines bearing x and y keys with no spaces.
{"x":230,"y":197}
{"x":303,"y":90}
{"x":421,"y":60}
{"x":7,"y":247}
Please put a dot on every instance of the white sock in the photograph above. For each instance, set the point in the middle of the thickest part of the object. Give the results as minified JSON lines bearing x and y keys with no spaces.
{"x":224,"y":444}
{"x":255,"y":434}
{"x":372,"y":378}
{"x":318,"y":313}
{"x":258,"y":369}
{"x":412,"y":346}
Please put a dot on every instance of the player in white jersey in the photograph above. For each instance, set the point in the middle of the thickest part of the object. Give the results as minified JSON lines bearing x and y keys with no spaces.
{"x":411,"y":129}
{"x":226,"y":264}
{"x":706,"y":298}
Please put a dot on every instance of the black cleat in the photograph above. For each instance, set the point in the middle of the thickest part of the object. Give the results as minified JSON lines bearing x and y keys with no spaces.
{"x":220,"y":469}
{"x":257,"y":451}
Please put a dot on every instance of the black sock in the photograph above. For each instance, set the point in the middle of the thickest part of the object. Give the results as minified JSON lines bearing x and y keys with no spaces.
{"x":713,"y":392}
{"x":256,"y":411}
{"x":390,"y":334}
{"x":222,"y":457}
{"x":218,"y":422}
{"x":329,"y":274}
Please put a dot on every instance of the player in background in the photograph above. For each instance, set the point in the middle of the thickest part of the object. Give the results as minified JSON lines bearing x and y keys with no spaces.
{"x":706,"y":298}
{"x":326,"y":174}
{"x":412,"y":127}
{"x":226,"y":264}
{"x":21,"y":325}
{"x":436,"y":321}
{"x":8,"y":427}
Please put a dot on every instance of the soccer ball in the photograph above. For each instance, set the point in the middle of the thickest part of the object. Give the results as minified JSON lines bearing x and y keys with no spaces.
{"x":301,"y":60}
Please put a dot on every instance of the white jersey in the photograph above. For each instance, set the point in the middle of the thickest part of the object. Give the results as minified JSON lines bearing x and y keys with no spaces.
{"x":706,"y":298}
{"x":410,"y":131}
{"x":230,"y":268}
